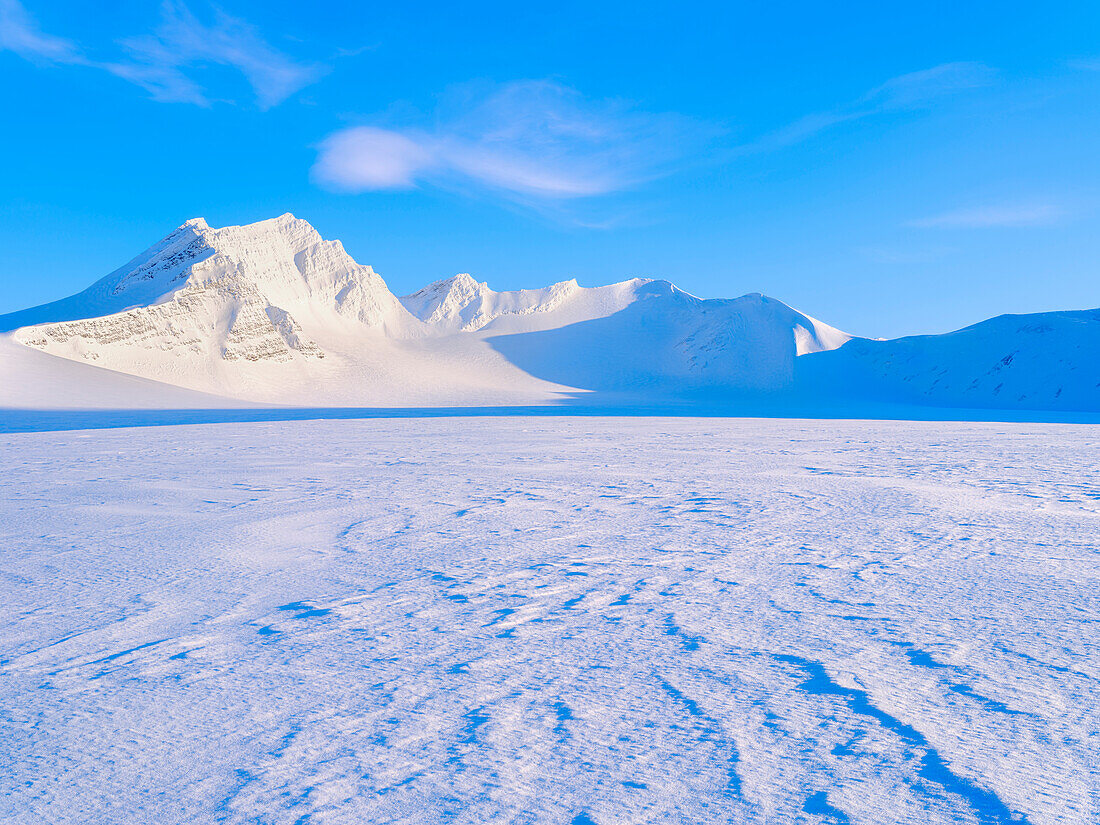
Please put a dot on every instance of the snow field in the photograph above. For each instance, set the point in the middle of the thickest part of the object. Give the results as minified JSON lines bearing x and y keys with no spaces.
{"x":556,"y":620}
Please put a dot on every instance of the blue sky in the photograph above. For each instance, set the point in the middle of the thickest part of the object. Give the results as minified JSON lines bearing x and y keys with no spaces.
{"x":889,"y":168}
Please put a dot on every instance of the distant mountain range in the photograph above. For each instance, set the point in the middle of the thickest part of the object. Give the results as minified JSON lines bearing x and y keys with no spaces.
{"x":270,"y":313}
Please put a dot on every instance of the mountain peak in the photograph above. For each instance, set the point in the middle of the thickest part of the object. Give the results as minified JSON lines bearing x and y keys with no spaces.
{"x":462,"y":282}
{"x":464,"y":279}
{"x":462,"y":304}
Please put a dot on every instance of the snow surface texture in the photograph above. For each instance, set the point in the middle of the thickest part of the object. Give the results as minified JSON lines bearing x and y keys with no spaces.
{"x":271,"y":313}
{"x":607,"y":621}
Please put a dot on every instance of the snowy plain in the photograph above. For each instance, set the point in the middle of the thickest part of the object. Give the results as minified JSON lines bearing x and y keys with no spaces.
{"x":554,"y":620}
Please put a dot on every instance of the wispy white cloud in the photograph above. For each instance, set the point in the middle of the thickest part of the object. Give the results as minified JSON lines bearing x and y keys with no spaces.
{"x":159,"y":62}
{"x":526,"y":140}
{"x":984,"y":217}
{"x":164,"y":62}
{"x":19,"y":33}
{"x":907,"y":92}
{"x":917,"y":89}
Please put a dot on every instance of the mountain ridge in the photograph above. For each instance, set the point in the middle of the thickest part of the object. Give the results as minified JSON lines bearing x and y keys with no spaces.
{"x":272,"y":313}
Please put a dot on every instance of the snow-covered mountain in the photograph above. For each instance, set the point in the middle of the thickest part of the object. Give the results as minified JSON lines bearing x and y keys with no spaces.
{"x":271,"y":313}
{"x":231,"y":291}
{"x":1040,"y":361}
{"x":461,"y":304}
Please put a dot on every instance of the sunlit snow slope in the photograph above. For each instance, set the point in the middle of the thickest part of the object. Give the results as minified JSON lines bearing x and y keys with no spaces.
{"x":272,"y":313}
{"x":1043,"y":361}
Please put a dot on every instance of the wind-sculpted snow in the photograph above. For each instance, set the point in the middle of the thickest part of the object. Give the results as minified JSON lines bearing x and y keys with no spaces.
{"x":552,"y":620}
